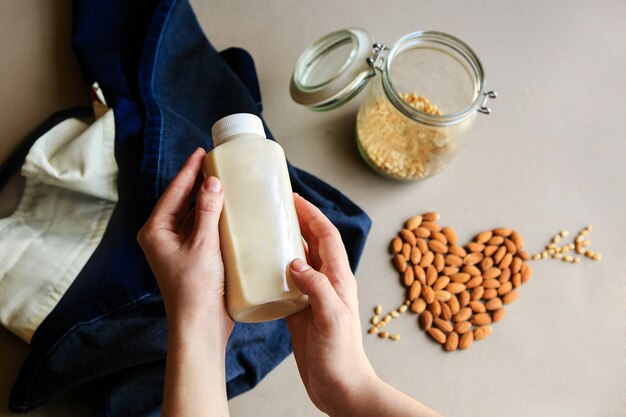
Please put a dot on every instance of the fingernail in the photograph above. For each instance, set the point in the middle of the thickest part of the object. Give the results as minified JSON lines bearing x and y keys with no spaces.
{"x":212,"y":185}
{"x":299,"y":265}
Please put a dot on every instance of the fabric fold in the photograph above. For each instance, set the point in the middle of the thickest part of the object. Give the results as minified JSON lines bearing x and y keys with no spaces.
{"x":68,"y":199}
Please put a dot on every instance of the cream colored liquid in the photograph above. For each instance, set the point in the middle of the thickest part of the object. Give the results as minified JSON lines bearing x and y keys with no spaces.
{"x":259,"y":230}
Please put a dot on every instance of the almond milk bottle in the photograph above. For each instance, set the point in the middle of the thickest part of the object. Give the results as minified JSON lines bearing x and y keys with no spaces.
{"x":259,"y":230}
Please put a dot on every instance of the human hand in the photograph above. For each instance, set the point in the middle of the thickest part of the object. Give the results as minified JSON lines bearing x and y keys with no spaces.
{"x":182,"y":247}
{"x":326,"y":337}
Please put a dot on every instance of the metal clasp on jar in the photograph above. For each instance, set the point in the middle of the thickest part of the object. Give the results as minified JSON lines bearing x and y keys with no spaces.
{"x":486,"y":96}
{"x":377,"y":61}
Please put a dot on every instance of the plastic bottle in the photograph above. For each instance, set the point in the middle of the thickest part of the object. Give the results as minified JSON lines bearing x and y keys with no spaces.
{"x":259,"y":231}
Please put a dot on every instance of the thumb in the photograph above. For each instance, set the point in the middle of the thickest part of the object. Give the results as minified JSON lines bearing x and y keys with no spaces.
{"x":325,"y":303}
{"x":208,"y":208}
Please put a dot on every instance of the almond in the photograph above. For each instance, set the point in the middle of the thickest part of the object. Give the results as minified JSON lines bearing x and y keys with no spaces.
{"x":497,"y":257}
{"x":450,"y":235}
{"x":406,"y":251}
{"x":435,"y":308}
{"x":458,"y":251}
{"x":441,"y":283}
{"x":466,"y":340}
{"x":432,"y":226}
{"x":506,"y":261}
{"x":477,"y":307}
{"x":496,"y":240}
{"x":443,"y":325}
{"x":486,"y":263}
{"x":505,"y":276}
{"x":413,"y":223}
{"x":439,"y":237}
{"x":464,"y":298}
{"x":475,"y":247}
{"x":422,"y":245}
{"x":427,"y":259}
{"x":442,"y":295}
{"x":490,"y":250}
{"x":399,"y":262}
{"x":502,"y":231}
{"x":493,"y":304}
{"x":473,"y":258}
{"x":450,"y":270}
{"x":524,"y":255}
{"x":452,"y":342}
{"x":460,"y":277}
{"x":491,"y":283}
{"x":498,"y":315}
{"x":396,"y":245}
{"x":453,"y":260}
{"x":426,"y":320}
{"x":481,"y":319}
{"x":418,"y":306}
{"x":463,"y":315}
{"x":516,"y":238}
{"x":462,"y":327}
{"x":408,"y":277}
{"x":516,"y":265}
{"x":490,"y":293}
{"x":472,"y":270}
{"x":477,"y":293}
{"x":505,"y":288}
{"x":482,"y":332}
{"x":437,"y":335}
{"x":483,"y":237}
{"x":420,"y":274}
{"x":437,"y":246}
{"x":428,"y":294}
{"x":474,"y":282}
{"x":517,"y":280}
{"x":509,"y":297}
{"x":431,"y":275}
{"x":416,"y":255}
{"x":421,"y":232}
{"x":453,"y":302}
{"x":446,"y":313}
{"x":415,"y":290}
{"x":455,"y":288}
{"x":510,"y":246}
{"x":526,"y":273}
{"x":408,"y":236}
{"x":439,"y":262}
{"x":491,"y":274}
{"x":431,"y":216}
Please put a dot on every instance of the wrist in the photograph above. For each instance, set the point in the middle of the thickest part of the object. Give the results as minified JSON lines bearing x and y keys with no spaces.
{"x":210,"y":328}
{"x":355,"y":395}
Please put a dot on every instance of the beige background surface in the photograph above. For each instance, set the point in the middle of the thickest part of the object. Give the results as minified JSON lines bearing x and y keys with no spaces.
{"x":551,"y":156}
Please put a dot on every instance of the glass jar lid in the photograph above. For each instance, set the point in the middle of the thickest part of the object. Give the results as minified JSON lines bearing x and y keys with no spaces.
{"x":333,"y":69}
{"x":439,"y":66}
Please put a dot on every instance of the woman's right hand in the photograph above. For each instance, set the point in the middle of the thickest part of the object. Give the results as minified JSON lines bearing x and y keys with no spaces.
{"x":326,"y":337}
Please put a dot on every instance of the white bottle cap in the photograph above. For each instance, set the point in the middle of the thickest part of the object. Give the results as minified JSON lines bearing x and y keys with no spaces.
{"x":236,"y":124}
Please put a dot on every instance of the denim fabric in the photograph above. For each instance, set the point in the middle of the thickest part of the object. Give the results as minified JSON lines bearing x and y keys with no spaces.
{"x":167,"y":85}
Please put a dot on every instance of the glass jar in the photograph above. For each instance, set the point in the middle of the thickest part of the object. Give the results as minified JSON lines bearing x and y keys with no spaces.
{"x":412,"y":122}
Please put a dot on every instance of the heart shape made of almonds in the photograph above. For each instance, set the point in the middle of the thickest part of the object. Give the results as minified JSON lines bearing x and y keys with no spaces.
{"x":458,"y":291}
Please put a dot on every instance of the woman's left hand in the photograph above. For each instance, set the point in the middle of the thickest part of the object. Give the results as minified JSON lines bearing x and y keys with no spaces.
{"x":182,"y":246}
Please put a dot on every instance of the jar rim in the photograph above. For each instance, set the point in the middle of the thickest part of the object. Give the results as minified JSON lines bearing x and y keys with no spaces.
{"x":447,"y":41}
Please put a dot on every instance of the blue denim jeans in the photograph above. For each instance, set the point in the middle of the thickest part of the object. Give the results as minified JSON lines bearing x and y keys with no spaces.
{"x":167,"y":86}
